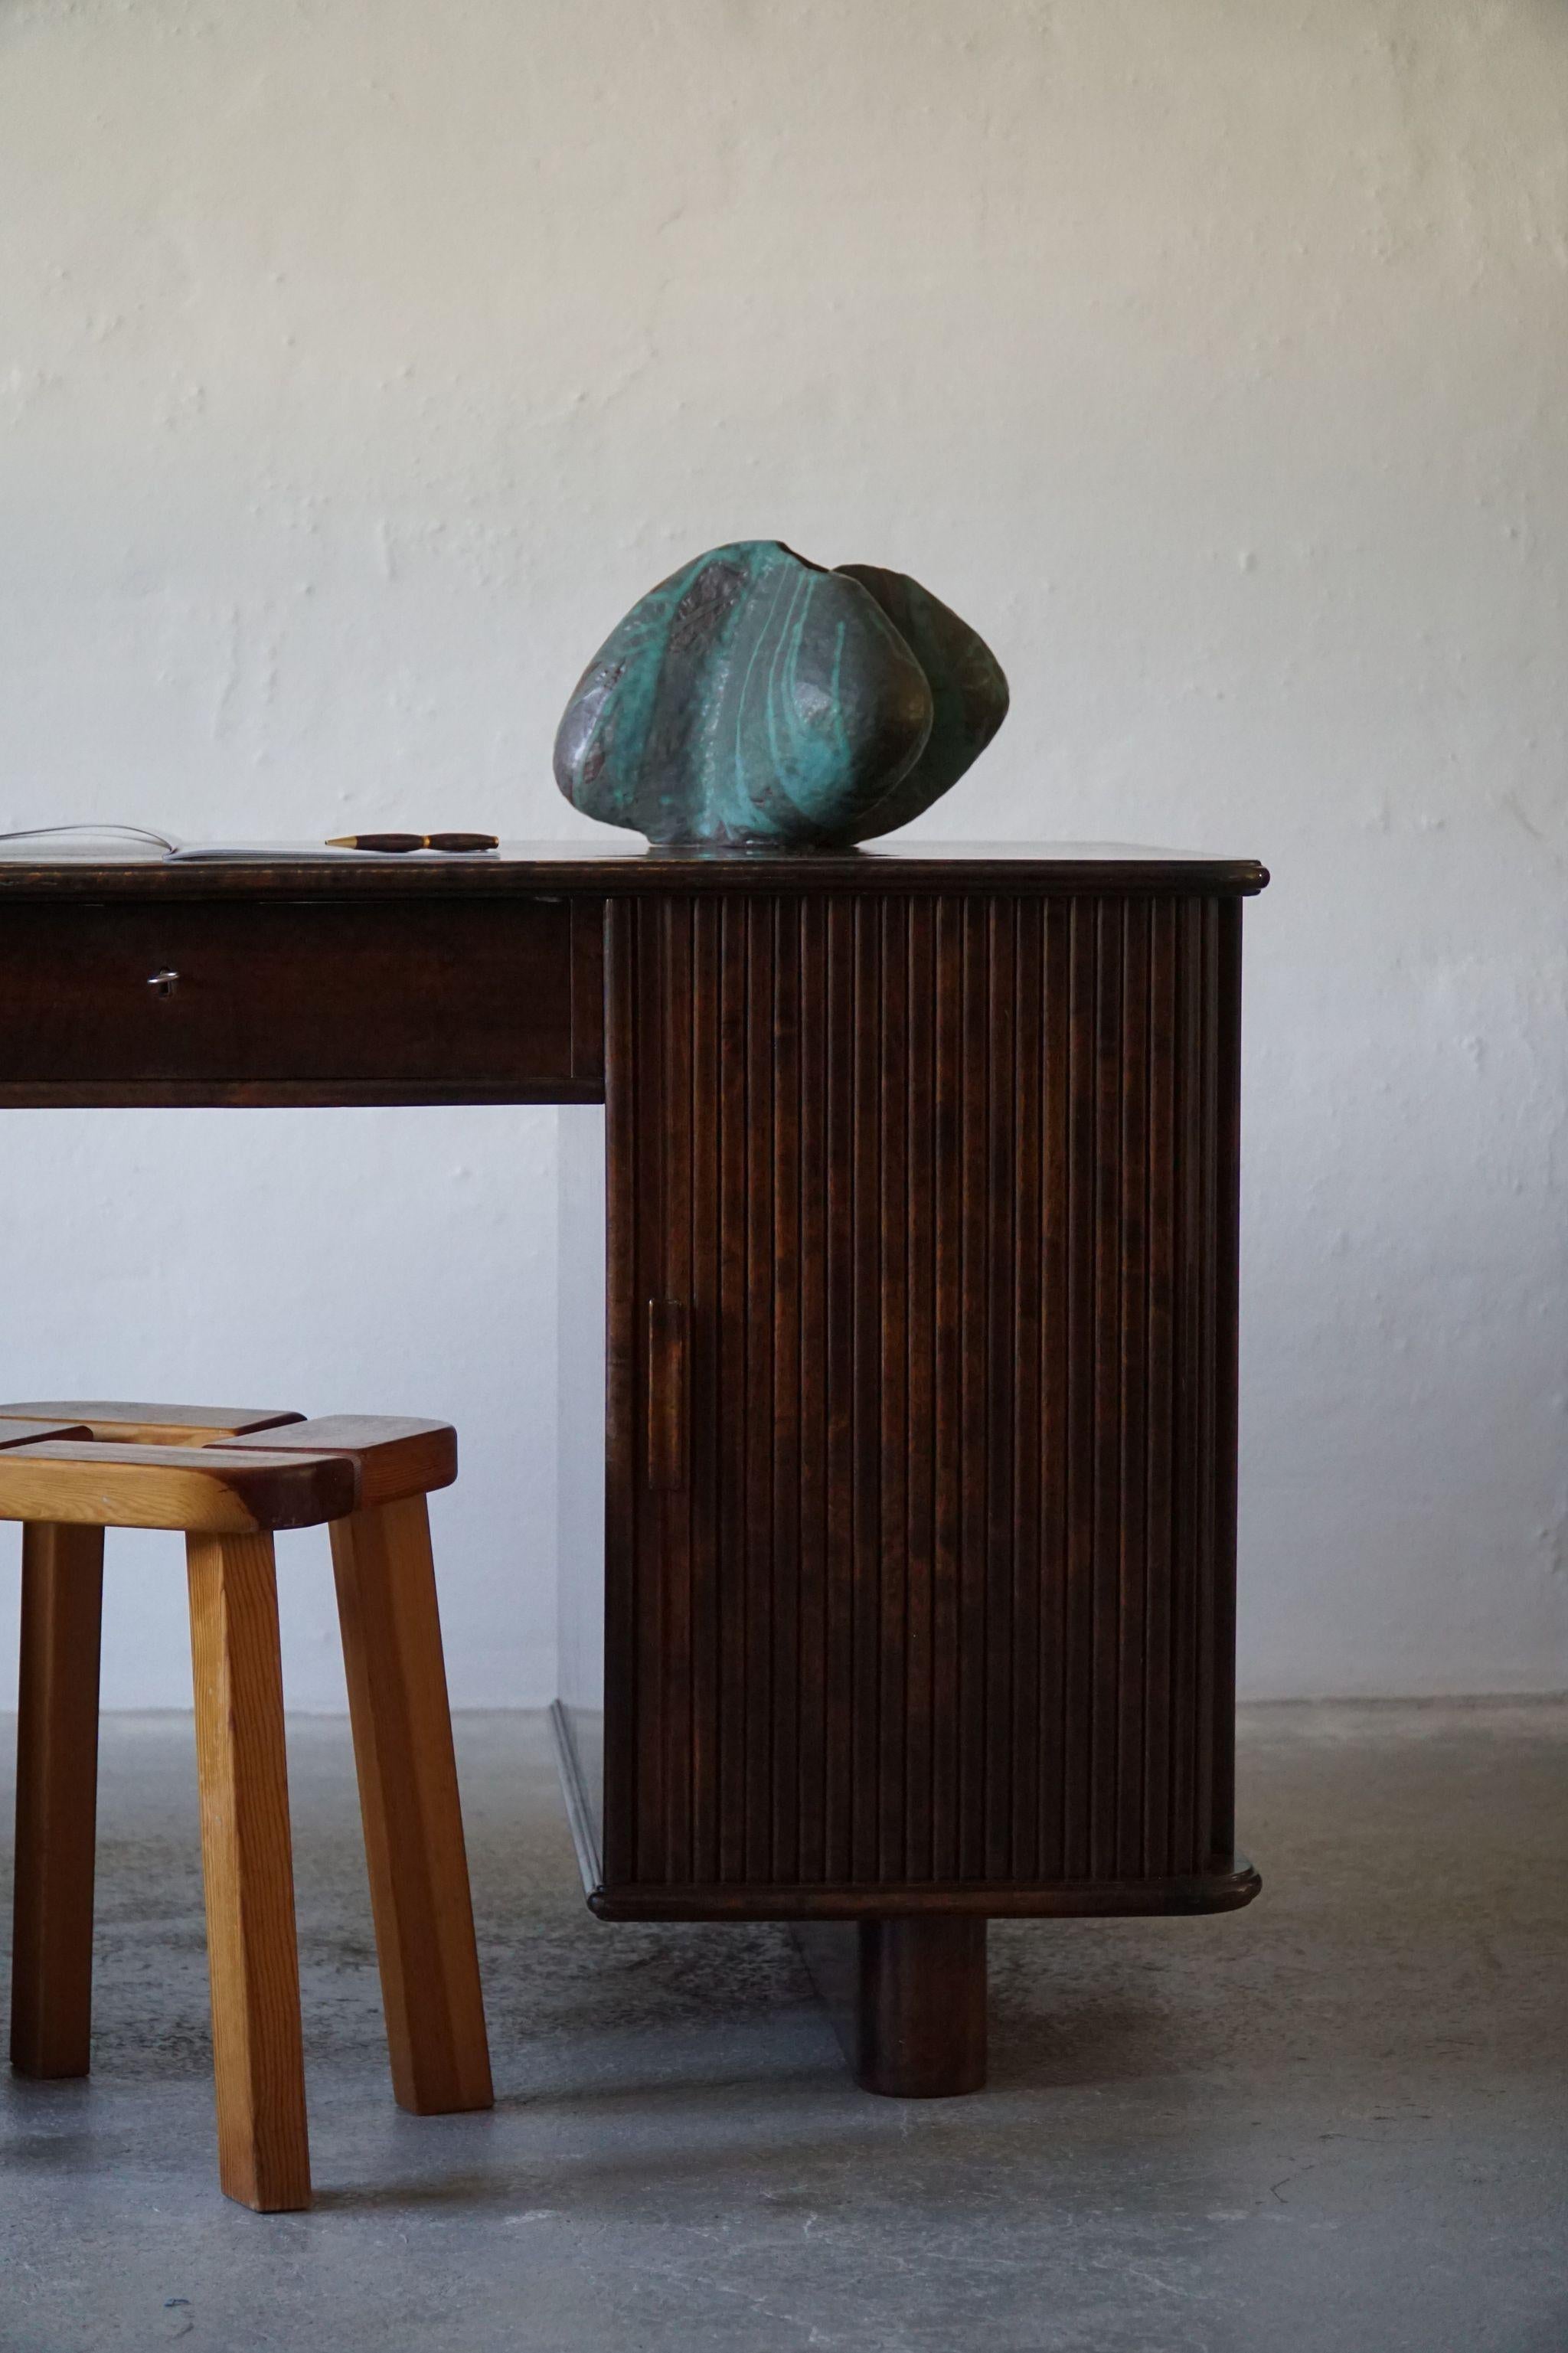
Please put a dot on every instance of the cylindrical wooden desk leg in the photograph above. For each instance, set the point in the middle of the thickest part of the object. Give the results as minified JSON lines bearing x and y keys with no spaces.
{"x":922,"y":2006}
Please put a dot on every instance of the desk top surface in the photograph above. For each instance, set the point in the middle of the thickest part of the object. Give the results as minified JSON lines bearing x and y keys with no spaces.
{"x":524,"y":868}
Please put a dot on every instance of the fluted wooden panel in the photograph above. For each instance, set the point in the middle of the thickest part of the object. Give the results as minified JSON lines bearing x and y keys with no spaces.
{"x":946,"y":1185}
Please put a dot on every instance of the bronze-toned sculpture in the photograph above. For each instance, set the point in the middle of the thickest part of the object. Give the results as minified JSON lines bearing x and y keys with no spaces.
{"x":754,"y":700}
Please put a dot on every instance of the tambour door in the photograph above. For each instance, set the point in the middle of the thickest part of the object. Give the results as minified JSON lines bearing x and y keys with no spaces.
{"x":921,"y":1384}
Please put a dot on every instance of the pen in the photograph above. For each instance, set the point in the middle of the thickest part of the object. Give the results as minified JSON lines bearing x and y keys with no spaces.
{"x":453,"y":842}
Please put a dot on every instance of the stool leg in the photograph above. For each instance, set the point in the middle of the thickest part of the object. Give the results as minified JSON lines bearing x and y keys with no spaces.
{"x":408,"y":1797}
{"x":248,"y":1865}
{"x":56,"y":1800}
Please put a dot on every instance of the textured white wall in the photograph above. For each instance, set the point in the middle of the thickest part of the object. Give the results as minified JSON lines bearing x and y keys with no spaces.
{"x":360,"y":364}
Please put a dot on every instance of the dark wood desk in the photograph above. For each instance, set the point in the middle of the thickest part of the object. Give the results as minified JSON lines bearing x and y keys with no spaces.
{"x":920,"y":1197}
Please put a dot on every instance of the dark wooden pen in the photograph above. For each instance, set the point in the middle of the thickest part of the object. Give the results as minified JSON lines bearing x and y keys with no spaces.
{"x":458,"y":844}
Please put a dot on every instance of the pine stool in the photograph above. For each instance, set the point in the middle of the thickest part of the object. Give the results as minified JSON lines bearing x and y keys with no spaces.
{"x":227,"y":1480}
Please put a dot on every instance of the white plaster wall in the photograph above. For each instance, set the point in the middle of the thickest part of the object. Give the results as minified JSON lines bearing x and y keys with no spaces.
{"x":360,"y":364}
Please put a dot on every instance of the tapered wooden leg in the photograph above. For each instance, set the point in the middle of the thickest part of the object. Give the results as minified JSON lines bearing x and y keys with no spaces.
{"x":408,"y":1797}
{"x":247,"y":1864}
{"x":56,"y":1800}
{"x":907,"y":1998}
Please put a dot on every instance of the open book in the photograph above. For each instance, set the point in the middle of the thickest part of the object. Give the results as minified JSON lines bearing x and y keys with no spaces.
{"x":95,"y":841}
{"x":104,"y":845}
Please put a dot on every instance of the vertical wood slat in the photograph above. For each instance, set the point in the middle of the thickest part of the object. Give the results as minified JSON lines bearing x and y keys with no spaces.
{"x":734,"y":1407}
{"x":1205,"y":1470}
{"x":811,"y":1681}
{"x":865,"y":1314}
{"x":838,"y":1665}
{"x":1225,"y":1242}
{"x":1103,"y":1444}
{"x":1186,"y":1502}
{"x":892,"y":1381}
{"x":948,"y":1182}
{"x":947,"y":1376}
{"x":1159,"y":1393}
{"x":786,"y":1533}
{"x":703,"y":1387}
{"x":970,"y":1565}
{"x":918,"y":1236}
{"x":759,"y":1307}
{"x":1132,"y":1478}
{"x":1056,"y":1390}
{"x":1075,"y":1466}
{"x":1028,"y":1562}
{"x":997,"y":1840}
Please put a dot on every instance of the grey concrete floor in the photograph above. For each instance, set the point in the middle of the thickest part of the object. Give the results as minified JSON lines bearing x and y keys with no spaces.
{"x":1337,"y":2120}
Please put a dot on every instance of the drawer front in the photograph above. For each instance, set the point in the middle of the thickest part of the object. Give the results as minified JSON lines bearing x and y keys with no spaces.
{"x":471,"y":1000}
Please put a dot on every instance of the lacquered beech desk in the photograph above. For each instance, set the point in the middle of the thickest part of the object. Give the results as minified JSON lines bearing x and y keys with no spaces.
{"x":919,"y":1171}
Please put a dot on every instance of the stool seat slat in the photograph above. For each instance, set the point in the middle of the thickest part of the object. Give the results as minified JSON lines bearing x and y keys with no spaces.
{"x":123,"y":1420}
{"x":211,"y":1490}
{"x":397,"y":1457}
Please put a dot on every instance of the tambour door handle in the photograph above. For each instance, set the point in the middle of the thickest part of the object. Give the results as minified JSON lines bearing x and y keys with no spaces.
{"x":667,"y":1322}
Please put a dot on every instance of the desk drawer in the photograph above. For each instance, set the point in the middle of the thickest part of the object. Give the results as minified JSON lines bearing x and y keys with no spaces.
{"x":473,"y":1000}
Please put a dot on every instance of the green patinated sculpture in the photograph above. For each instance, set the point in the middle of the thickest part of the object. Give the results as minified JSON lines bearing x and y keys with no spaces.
{"x":753,"y":700}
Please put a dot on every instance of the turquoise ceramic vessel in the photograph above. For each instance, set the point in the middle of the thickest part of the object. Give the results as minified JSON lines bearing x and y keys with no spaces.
{"x":754,"y":700}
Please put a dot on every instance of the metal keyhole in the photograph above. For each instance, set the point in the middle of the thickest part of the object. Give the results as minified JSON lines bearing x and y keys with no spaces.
{"x":164,"y":983}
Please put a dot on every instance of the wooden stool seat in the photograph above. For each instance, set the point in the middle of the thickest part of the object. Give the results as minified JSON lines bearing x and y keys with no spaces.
{"x":294,"y":1476}
{"x":160,"y":1425}
{"x":228,"y":1479}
